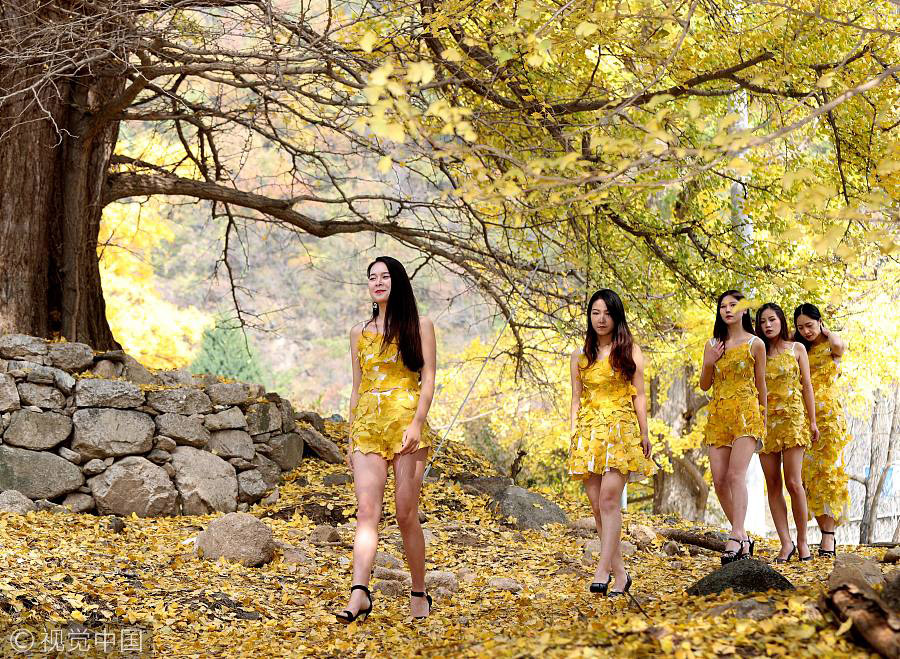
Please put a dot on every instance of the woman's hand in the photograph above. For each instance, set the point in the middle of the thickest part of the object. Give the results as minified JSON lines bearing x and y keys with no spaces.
{"x":411,"y":437}
{"x":349,"y":457}
{"x":645,"y":445}
{"x":824,"y":330}
{"x":713,"y":353}
{"x":814,"y":432}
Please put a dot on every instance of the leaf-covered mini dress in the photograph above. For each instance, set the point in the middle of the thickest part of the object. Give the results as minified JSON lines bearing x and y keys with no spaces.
{"x":388,"y":398}
{"x":734,"y":409}
{"x":607,"y":435}
{"x":787,"y":424}
{"x":823,"y":465}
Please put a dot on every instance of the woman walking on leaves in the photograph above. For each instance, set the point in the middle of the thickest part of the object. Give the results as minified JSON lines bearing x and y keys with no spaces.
{"x":609,"y":444}
{"x":823,"y":466}
{"x":393,"y":356}
{"x":788,"y":434}
{"x":734,"y":365}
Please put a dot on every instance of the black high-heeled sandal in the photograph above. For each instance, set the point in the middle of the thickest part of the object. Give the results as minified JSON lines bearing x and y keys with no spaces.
{"x":787,"y":559}
{"x":827,"y":552}
{"x":731,"y":555}
{"x":426,"y":596}
{"x":600,"y":587}
{"x":808,"y":557}
{"x":346,"y":616}
{"x":617,"y":593}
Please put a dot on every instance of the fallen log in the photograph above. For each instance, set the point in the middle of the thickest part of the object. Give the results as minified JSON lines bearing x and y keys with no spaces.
{"x":872,"y":620}
{"x":706,"y":540}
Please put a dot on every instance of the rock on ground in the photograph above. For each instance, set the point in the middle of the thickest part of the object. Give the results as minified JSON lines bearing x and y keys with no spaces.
{"x":287,"y":450}
{"x":505,"y":583}
{"x":851,"y":565}
{"x":37,"y":474}
{"x":37,"y":430}
{"x":530,"y":510}
{"x":134,"y":485}
{"x":238,"y":537}
{"x":72,"y":357}
{"x":188,"y":430}
{"x":744,"y":608}
{"x":743,"y":576}
{"x":78,"y":502}
{"x":226,"y":419}
{"x":205,"y":481}
{"x":337,"y":479}
{"x":313,"y":419}
{"x":102,"y":432}
{"x":322,"y":447}
{"x":184,"y":400}
{"x":95,"y":392}
{"x":13,"y":501}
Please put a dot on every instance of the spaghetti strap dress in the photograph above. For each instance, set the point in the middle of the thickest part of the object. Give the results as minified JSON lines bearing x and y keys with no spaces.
{"x":787,"y":423}
{"x":606,"y":435}
{"x":734,"y":409}
{"x":387,"y":402}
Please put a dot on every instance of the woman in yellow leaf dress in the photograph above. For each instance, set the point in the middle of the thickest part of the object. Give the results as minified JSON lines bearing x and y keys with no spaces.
{"x":790,"y":431}
{"x":609,"y":443}
{"x":823,"y":465}
{"x":393,"y":359}
{"x":734,"y":366}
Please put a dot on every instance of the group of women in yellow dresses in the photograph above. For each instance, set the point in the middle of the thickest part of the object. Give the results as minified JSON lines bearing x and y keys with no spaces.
{"x":769,"y":394}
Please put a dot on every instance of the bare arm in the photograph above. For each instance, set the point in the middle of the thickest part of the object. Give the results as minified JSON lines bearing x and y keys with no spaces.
{"x":809,"y":400}
{"x":577,"y":387}
{"x":711,"y":354}
{"x":758,"y":350}
{"x":640,"y":398}
{"x":355,"y":333}
{"x":413,"y":434}
{"x":835,"y":342}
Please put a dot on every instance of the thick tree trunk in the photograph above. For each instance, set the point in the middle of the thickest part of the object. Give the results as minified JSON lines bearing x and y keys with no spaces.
{"x":54,"y":155}
{"x":683,"y":491}
{"x":884,"y":446}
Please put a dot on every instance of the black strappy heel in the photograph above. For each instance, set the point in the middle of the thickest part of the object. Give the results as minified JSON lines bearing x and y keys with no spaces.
{"x":347,"y":617}
{"x":617,"y":593}
{"x":426,"y":596}
{"x":599,"y":587}
{"x":787,"y":559}
{"x":731,"y":555}
{"x":741,"y":554}
{"x":827,"y":552}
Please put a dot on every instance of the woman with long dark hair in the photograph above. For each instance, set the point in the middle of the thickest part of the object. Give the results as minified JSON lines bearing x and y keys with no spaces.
{"x":609,"y":444}
{"x":734,"y":366}
{"x":823,"y":465}
{"x":789,"y":432}
{"x":393,"y":358}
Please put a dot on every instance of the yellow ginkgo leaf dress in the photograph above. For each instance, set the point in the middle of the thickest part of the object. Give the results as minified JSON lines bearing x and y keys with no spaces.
{"x":734,"y":409}
{"x":607,"y":435}
{"x":387,"y":402}
{"x":787,"y":423}
{"x":823,"y":465}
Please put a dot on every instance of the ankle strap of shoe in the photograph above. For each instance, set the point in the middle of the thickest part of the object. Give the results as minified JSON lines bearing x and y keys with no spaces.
{"x":417,"y":593}
{"x":827,"y":532}
{"x":360,"y":587}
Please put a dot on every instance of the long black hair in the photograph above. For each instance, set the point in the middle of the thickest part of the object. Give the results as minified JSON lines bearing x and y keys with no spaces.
{"x":811,"y":311}
{"x":621,"y":358}
{"x":779,"y":312}
{"x":401,"y":318}
{"x":720,"y":329}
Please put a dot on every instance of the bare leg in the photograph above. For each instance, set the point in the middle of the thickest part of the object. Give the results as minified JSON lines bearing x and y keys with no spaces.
{"x":771,"y":466}
{"x":827,"y":523}
{"x":592,"y":488}
{"x":408,"y":472}
{"x":719,"y":457}
{"x":741,"y":453}
{"x":793,"y":478}
{"x":610,"y":500}
{"x":369,"y":477}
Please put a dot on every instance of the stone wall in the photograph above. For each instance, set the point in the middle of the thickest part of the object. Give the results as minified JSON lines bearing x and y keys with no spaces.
{"x":98,"y":432}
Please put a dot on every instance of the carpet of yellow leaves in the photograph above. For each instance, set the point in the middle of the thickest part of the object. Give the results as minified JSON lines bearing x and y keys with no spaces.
{"x":63,"y":569}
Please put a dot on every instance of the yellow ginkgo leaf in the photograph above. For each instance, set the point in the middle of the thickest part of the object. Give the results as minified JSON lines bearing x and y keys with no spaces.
{"x":368,"y":41}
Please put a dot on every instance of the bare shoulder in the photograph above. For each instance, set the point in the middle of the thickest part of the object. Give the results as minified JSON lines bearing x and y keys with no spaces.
{"x":636,"y":352}
{"x":575,"y":355}
{"x":799,"y":349}
{"x":426,"y":324}
{"x":357,"y":330}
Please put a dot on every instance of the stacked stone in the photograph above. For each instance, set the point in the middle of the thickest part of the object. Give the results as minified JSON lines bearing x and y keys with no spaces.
{"x":150,"y":443}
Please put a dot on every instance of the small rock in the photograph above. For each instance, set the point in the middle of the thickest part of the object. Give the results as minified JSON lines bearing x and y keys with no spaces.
{"x":391,"y":588}
{"x":72,"y":456}
{"x":891,"y":591}
{"x":13,"y":501}
{"x":337,"y":479}
{"x":324,"y":533}
{"x":422,"y":517}
{"x":390,"y":574}
{"x":241,"y":464}
{"x":441,"y":579}
{"x":627,"y":548}
{"x":694,"y":551}
{"x":322,"y":447}
{"x":505,"y":583}
{"x":44,"y":396}
{"x":591,"y":549}
{"x":466,"y":575}
{"x":228,"y":419}
{"x":71,"y":357}
{"x":243,"y":507}
{"x":164,"y":443}
{"x":49,"y":506}
{"x":94,"y":467}
{"x":251,"y":486}
{"x":312,"y":419}
{"x":676,"y":565}
{"x":851,"y":565}
{"x":383,"y":559}
{"x":169,"y":468}
{"x":585,"y":524}
{"x":159,"y":456}
{"x":271,"y":498}
{"x":116,"y":525}
{"x":293,"y":555}
{"x":745,"y":608}
{"x":744,"y":576}
{"x":671,"y":548}
{"x":237,"y":537}
{"x":78,"y":503}
{"x":643,"y":535}
{"x":107,"y":369}
{"x":94,"y":392}
{"x":891,"y":555}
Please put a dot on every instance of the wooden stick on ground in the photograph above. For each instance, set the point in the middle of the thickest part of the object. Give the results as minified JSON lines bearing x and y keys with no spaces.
{"x":872,"y":619}
{"x":707,"y":541}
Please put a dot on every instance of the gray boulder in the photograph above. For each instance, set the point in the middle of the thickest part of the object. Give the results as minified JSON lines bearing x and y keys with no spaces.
{"x":13,"y":501}
{"x":71,"y":357}
{"x":37,"y":430}
{"x":530,"y":510}
{"x":72,"y":456}
{"x":321,"y":446}
{"x":106,"y":368}
{"x":183,"y":429}
{"x":94,"y":392}
{"x":9,"y":394}
{"x":205,"y":481}
{"x":37,"y":474}
{"x":743,"y":576}
{"x":94,"y":467}
{"x":311,"y":418}
{"x":40,"y":374}
{"x":251,"y":486}
{"x":102,"y":432}
{"x":134,"y":371}
{"x":134,"y":485}
{"x":226,"y":419}
{"x":287,"y":450}
{"x":78,"y":502}
{"x":44,"y":396}
{"x":164,"y":443}
{"x":232,"y":444}
{"x":237,"y":537}
{"x":269,"y":469}
{"x":184,"y":400}
{"x":22,"y":345}
{"x":263,"y":417}
{"x":860,"y":567}
{"x":228,"y":393}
